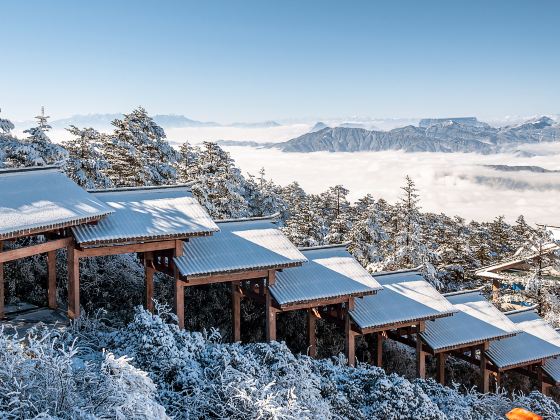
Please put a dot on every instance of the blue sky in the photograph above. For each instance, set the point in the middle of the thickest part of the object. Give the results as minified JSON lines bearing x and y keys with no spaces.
{"x":255,"y":60}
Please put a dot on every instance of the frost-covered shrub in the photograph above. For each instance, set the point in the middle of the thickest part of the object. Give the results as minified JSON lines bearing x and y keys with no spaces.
{"x":42,"y":377}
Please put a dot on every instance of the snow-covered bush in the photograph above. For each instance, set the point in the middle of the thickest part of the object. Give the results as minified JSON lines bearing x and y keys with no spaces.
{"x":42,"y":377}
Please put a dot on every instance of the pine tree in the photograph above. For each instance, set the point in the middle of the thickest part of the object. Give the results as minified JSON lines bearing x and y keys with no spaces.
{"x":186,"y":158}
{"x":306,"y":226}
{"x":86,"y":165}
{"x":410,"y":248}
{"x":264,"y":196}
{"x":366,"y":237}
{"x":138,"y":153}
{"x":218,"y":183}
{"x":37,"y":149}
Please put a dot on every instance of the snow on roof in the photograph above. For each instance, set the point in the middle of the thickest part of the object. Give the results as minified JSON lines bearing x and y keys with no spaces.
{"x":555,"y":231}
{"x":512,"y":262}
{"x":330,"y":273}
{"x":538,"y":341}
{"x":247,"y":244}
{"x":40,"y":199}
{"x":147,"y":214}
{"x":406,"y":297}
{"x":477,"y":321}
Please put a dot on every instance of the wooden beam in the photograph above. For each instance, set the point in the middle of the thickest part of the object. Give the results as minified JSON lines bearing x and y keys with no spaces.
{"x":28,"y":251}
{"x":51,"y":274}
{"x":103,"y":251}
{"x":149,"y":271}
{"x":484,"y":374}
{"x":420,"y":358}
{"x":316,"y":303}
{"x":495,"y":290}
{"x":236,"y":311}
{"x":441,"y":367}
{"x":349,"y":334}
{"x":270,"y":309}
{"x":2,"y":297}
{"x":378,"y":349}
{"x":73,"y":282}
{"x":180,"y":303}
{"x":224,"y":278}
{"x":311,"y":332}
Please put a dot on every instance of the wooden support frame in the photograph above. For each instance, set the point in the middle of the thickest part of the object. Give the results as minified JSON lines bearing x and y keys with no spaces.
{"x":73,"y":282}
{"x":377,"y":348}
{"x":484,"y":374}
{"x":270,"y":310}
{"x":51,"y":274}
{"x":312,"y":332}
{"x":441,"y":358}
{"x":420,"y":353}
{"x":349,"y":334}
{"x":149,"y":271}
{"x":236,"y":311}
{"x":495,"y":290}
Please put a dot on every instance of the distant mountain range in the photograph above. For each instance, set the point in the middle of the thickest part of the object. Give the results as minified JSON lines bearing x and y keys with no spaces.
{"x":521,"y":168}
{"x":432,"y":135}
{"x":103,"y":122}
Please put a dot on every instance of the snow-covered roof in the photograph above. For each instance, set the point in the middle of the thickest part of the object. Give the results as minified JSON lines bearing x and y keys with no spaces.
{"x":537,"y":341}
{"x":330,"y":272}
{"x":147,"y":214}
{"x":39,"y":199}
{"x":240,"y":245}
{"x":555,"y":232}
{"x":406,"y":297}
{"x":477,"y":321}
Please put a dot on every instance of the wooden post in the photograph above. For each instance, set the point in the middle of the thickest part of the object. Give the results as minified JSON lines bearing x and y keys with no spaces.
{"x":73,"y":282}
{"x":378,"y":353}
{"x":149,"y":271}
{"x":542,"y":385}
{"x":420,"y":354}
{"x":349,"y":335}
{"x":179,"y":287}
{"x":236,"y":311}
{"x":311,"y":332}
{"x":498,"y":380}
{"x":270,"y":310}
{"x":2,"y":298}
{"x":51,"y":273}
{"x":484,"y":374}
{"x":441,"y":367}
{"x":495,"y":290}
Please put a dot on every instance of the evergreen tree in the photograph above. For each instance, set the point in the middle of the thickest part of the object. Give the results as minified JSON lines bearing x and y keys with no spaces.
{"x":37,"y":149}
{"x":264,"y":196}
{"x":138,"y":153}
{"x":410,"y":248}
{"x":186,"y":158}
{"x":86,"y":165}
{"x":306,"y":226}
{"x":366,"y":237}
{"x":217,"y":182}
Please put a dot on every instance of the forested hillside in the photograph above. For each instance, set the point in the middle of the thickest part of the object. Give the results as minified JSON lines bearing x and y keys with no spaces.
{"x":196,"y":375}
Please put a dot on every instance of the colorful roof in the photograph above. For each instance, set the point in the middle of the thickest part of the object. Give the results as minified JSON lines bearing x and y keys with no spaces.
{"x":40,"y":199}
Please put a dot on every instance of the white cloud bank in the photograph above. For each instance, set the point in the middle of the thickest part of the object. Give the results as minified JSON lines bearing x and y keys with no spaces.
{"x":452,"y":183}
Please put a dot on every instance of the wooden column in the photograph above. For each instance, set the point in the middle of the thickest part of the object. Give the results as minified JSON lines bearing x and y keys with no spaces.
{"x":441,"y":367}
{"x":349,"y":335}
{"x":377,"y":340}
{"x":484,"y":374}
{"x":498,"y":379}
{"x":495,"y":290}
{"x":236,"y":311}
{"x":420,"y":354}
{"x":311,"y":332}
{"x":149,"y":271}
{"x":51,"y":272}
{"x":542,"y":385}
{"x":179,"y":298}
{"x":2,"y":298}
{"x":73,"y":282}
{"x":270,"y":310}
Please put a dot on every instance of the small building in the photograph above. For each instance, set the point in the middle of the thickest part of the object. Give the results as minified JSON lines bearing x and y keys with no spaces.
{"x":535,"y":352}
{"x":150,"y":221}
{"x":44,"y":203}
{"x":327,"y":287}
{"x":467,"y":334}
{"x":247,"y":253}
{"x":399,"y":311}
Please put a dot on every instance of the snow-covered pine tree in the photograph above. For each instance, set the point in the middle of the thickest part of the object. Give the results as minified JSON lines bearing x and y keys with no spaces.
{"x":306,"y":226}
{"x":138,"y":153}
{"x":217,"y":182}
{"x":86,"y":165}
{"x":410,"y":248}
{"x":6,"y":140}
{"x":501,"y":238}
{"x":366,"y":236}
{"x":294,"y":196}
{"x":264,"y":196}
{"x":37,"y":149}
{"x":6,"y":126}
{"x":186,"y":158}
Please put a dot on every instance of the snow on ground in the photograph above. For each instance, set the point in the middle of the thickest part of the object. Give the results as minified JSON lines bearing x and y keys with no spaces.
{"x":453,"y":183}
